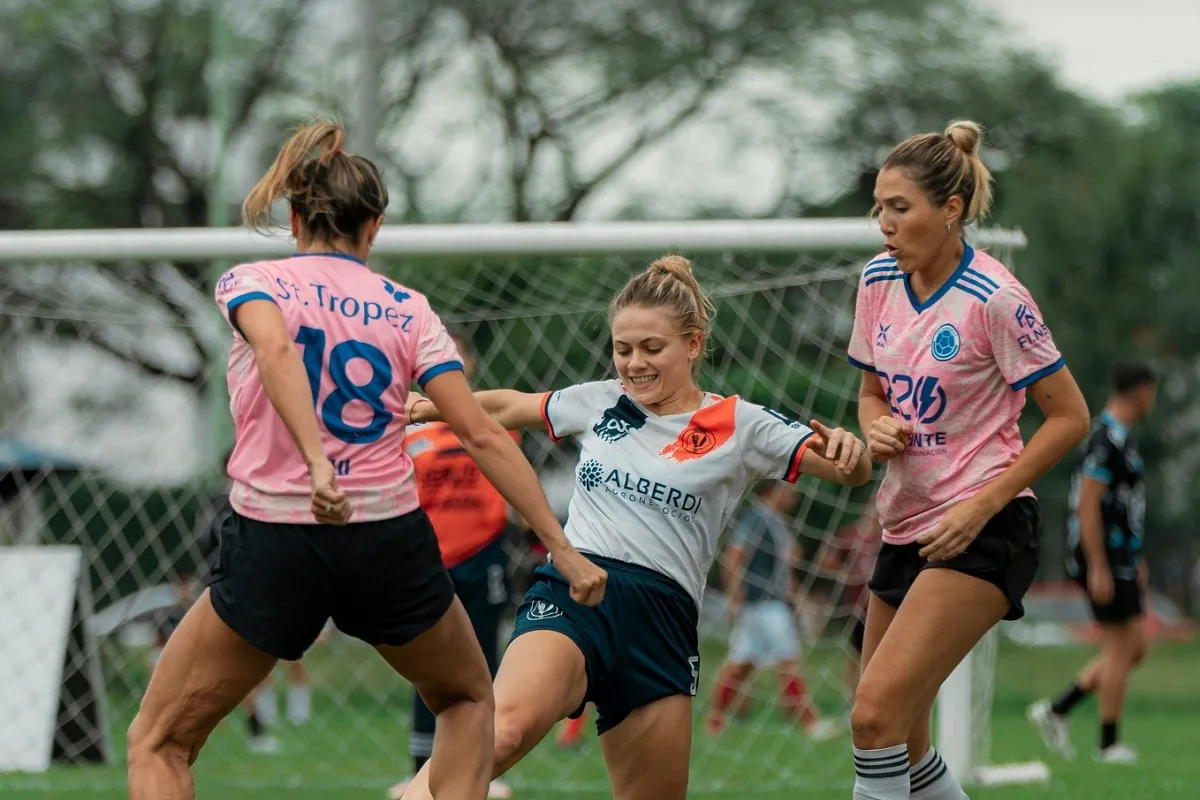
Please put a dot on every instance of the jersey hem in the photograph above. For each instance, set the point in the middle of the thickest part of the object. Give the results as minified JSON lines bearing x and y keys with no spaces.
{"x":854,"y":362}
{"x":545,"y":411}
{"x":1037,"y":376}
{"x":236,"y":302}
{"x":438,"y":369}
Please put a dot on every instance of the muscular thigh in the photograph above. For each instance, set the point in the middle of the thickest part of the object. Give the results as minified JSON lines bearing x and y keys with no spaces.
{"x":647,"y":754}
{"x":205,"y":670}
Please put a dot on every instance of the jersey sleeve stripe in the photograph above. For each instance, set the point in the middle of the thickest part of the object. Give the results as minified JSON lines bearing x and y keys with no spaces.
{"x":233,"y":305}
{"x":971,"y":291}
{"x":970,"y":280}
{"x":888,"y":276}
{"x":881,"y":261}
{"x":882,"y":270}
{"x":438,"y":369}
{"x":979,"y":276}
{"x":793,"y":471}
{"x":546,"y":417}
{"x":1037,"y":376}
{"x":854,"y":362}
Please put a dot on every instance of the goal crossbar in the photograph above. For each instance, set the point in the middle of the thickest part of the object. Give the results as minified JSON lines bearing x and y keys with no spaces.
{"x":499,"y":239}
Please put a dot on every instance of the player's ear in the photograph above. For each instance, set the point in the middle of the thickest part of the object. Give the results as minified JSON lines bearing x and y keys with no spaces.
{"x":953,"y":211}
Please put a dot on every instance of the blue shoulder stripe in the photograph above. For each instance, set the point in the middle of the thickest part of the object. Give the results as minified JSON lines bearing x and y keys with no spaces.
{"x":974,"y":273}
{"x":890,"y":276}
{"x":969,"y":280}
{"x":971,"y":290}
{"x":881,"y":261}
{"x":885,"y":270}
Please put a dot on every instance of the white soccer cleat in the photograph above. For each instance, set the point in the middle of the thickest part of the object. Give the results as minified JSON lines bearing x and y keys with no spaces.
{"x":823,"y":730}
{"x":1052,"y":728}
{"x":266,"y":744}
{"x":499,"y":790}
{"x":1117,"y":754}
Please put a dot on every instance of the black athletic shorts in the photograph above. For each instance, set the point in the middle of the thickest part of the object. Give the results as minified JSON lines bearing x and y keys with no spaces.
{"x":277,"y":584}
{"x":1126,"y":602}
{"x":1006,"y":554}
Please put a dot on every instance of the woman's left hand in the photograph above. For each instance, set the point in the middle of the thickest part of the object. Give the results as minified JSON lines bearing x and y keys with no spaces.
{"x":955,"y":531}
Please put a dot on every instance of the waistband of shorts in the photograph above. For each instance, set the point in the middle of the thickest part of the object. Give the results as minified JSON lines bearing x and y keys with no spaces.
{"x":643,"y":574}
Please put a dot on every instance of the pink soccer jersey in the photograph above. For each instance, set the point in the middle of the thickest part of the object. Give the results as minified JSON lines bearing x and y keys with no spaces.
{"x":363,"y":340}
{"x":956,"y":367}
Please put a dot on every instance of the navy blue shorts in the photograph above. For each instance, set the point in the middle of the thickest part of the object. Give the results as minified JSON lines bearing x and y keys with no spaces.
{"x":640,"y":644}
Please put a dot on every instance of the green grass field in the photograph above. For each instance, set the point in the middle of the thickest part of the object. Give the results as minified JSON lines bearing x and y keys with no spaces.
{"x":356,"y":744}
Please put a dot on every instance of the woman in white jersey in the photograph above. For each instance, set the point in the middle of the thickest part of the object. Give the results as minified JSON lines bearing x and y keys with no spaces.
{"x":662,"y":467}
{"x":323,"y":354}
{"x":949,"y":343}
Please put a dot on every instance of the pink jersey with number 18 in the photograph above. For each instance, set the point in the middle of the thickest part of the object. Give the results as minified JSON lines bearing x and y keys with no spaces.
{"x":363,"y":340}
{"x":955,"y":366}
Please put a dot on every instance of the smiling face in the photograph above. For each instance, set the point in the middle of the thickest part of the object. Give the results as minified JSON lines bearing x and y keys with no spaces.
{"x":917,"y":233}
{"x":652,"y":355}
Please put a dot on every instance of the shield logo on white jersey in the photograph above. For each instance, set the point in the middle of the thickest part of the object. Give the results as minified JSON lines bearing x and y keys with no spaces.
{"x":542,"y":610}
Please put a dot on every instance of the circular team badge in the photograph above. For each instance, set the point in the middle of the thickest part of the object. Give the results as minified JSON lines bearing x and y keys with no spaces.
{"x":946,"y":342}
{"x":697,"y":441}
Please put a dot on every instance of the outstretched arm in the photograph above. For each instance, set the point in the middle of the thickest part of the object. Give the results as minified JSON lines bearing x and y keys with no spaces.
{"x":512,"y":409}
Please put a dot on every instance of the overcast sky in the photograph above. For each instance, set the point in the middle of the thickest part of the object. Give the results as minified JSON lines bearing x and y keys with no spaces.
{"x":1110,"y":48}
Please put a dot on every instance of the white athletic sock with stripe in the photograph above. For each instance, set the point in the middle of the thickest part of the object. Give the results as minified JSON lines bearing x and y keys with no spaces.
{"x":931,"y":779}
{"x":881,"y":774}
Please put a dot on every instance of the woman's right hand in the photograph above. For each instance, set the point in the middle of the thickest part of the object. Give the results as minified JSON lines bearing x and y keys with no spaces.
{"x":330,"y":505}
{"x":587,"y":580}
{"x":887,"y":438}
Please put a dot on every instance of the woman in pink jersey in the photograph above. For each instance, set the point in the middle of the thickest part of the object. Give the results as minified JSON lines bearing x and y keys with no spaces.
{"x":662,"y":467}
{"x":323,"y":355}
{"x":949,"y":343}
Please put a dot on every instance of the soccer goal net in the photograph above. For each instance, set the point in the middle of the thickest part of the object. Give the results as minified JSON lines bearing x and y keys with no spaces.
{"x":114,"y":426}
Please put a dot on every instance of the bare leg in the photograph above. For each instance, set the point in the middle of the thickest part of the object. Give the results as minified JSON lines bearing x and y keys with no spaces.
{"x":542,"y":679}
{"x":204,"y":673}
{"x":647,"y":754}
{"x":447,"y":667}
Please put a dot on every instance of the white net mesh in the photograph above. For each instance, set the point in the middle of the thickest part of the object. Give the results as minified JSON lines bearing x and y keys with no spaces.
{"x":108,"y":446}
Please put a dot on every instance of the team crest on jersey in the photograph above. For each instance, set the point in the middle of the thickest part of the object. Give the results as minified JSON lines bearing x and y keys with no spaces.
{"x":619,"y":420}
{"x":708,"y":429}
{"x":946,"y":342}
{"x":540,"y":610}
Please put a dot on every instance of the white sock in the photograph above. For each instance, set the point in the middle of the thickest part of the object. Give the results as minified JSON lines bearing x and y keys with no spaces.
{"x":299,"y":704}
{"x":881,"y":774}
{"x":931,"y":779}
{"x":265,"y":707}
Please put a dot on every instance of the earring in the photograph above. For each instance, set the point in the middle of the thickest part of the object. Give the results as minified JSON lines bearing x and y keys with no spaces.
{"x":947,"y":227}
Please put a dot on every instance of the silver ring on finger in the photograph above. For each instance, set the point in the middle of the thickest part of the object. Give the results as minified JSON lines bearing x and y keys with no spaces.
{"x":328,"y":507}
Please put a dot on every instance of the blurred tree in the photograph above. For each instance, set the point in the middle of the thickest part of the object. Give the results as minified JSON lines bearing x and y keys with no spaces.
{"x":107,"y":125}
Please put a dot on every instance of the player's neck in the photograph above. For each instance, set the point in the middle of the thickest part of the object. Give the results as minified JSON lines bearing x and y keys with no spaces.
{"x":341,"y":246}
{"x":1122,"y":413}
{"x":926,"y":281}
{"x":683,"y":401}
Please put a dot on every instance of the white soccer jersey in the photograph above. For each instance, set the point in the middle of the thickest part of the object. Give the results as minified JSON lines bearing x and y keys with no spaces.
{"x":657,"y":491}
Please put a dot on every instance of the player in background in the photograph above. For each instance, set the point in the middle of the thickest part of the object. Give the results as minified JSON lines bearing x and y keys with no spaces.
{"x":848,"y":558}
{"x":470,"y":519}
{"x":326,"y":521}
{"x":662,"y":467}
{"x":1108,"y":505}
{"x":949,"y":344}
{"x":759,"y":571}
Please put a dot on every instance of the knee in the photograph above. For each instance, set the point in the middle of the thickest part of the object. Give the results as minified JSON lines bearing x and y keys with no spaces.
{"x":477,"y":691}
{"x":876,"y":720}
{"x":149,"y":739}
{"x":512,"y":728}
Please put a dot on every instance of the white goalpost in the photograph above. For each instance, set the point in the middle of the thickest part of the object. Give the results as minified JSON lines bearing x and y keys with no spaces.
{"x":112,"y":357}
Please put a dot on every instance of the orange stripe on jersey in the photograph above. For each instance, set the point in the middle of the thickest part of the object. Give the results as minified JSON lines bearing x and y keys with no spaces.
{"x":546,"y":416}
{"x":793,"y":470}
{"x":708,"y":430}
